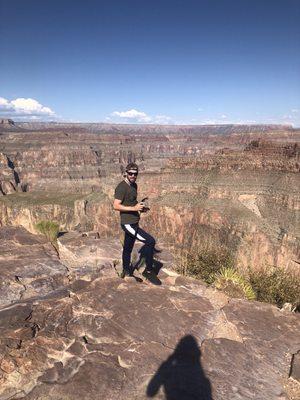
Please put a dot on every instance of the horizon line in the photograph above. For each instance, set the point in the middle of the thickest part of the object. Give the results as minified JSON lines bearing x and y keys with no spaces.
{"x":290,"y":125}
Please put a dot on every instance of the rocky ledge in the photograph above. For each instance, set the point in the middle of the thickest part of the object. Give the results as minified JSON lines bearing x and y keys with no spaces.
{"x":96,"y":336}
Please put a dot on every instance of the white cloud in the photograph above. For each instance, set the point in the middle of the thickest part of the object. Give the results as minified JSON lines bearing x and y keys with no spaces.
{"x":4,"y":102}
{"x":135,"y":116}
{"x":246,"y":122}
{"x":200,"y":109}
{"x":221,"y":121}
{"x":291,"y":118}
{"x":131,"y":114}
{"x":288,"y":117}
{"x":162,"y":119}
{"x":30,"y":106}
{"x":209,"y":122}
{"x":22,"y":108}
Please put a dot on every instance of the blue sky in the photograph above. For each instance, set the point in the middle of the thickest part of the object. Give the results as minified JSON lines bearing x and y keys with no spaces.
{"x":212,"y":61}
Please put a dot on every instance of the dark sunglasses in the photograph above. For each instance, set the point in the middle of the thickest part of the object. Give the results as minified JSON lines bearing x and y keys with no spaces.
{"x":132,"y":173}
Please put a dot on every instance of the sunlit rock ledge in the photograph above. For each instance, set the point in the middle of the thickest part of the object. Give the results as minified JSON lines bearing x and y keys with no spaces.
{"x":70,"y":328}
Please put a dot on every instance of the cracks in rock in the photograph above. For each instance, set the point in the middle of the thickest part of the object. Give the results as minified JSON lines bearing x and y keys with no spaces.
{"x":291,"y":370}
{"x":35,"y":328}
{"x":18,"y":280}
{"x":85,"y":203}
{"x":29,"y":316}
{"x":68,"y":276}
{"x":84,"y":338}
{"x":55,"y":246}
{"x":164,"y":345}
{"x":16,"y":345}
{"x":114,"y":265}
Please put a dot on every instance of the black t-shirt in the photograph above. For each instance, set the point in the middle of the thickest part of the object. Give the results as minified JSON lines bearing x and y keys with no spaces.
{"x":128,"y":196}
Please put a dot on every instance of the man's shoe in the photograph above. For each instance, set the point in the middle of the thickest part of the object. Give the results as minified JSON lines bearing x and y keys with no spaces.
{"x":126,"y":272}
{"x":151,"y":276}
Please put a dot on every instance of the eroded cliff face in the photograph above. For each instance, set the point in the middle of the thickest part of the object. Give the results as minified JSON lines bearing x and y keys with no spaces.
{"x":229,"y":185}
{"x":28,"y":209}
{"x":93,"y":211}
{"x":251,"y":242}
{"x":70,"y":329}
{"x":248,"y":199}
{"x":9,"y":178}
{"x":77,"y":158}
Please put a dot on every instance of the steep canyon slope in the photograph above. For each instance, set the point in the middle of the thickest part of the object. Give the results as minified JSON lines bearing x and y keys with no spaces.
{"x":235,"y":185}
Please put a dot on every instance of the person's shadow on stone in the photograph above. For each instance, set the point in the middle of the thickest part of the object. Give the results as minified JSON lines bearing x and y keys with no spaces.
{"x":181,"y":375}
{"x":146,"y":257}
{"x":147,"y":254}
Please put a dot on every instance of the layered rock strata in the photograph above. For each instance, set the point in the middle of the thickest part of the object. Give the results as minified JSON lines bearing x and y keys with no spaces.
{"x":77,"y":157}
{"x":244,"y":195}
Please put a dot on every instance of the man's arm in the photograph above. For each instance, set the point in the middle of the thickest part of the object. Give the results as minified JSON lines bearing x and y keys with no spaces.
{"x":119,"y":207}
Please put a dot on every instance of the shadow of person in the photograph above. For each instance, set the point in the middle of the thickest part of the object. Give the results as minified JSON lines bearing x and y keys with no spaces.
{"x":146,"y":256}
{"x":157,"y":265}
{"x":181,"y":375}
{"x":142,"y":258}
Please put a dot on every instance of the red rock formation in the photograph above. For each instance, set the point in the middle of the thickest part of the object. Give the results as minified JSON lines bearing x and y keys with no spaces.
{"x":82,"y":332}
{"x":245,"y":177}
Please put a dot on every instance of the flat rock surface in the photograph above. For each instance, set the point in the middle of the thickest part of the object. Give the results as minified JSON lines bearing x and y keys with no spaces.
{"x":102,"y":337}
{"x":29,"y":266}
{"x":89,"y":254}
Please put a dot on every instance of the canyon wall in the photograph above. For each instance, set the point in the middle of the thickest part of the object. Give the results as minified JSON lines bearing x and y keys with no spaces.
{"x":234,"y":185}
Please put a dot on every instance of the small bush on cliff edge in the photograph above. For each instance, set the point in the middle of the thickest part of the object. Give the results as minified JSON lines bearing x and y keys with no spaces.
{"x":49,"y":229}
{"x":276,"y":285}
{"x":205,"y":263}
{"x":230,"y":281}
{"x":215,"y":265}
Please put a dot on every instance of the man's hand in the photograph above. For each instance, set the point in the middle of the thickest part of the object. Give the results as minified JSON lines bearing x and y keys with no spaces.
{"x":118,"y":206}
{"x":146,"y":208}
{"x":138,"y":207}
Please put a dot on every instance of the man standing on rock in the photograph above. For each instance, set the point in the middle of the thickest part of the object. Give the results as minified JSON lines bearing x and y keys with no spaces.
{"x":126,"y":203}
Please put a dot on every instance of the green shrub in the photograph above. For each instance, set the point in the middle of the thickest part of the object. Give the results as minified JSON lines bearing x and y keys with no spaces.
{"x":234,"y":284}
{"x":276,"y":285}
{"x":49,"y":229}
{"x":215,"y":264}
{"x":205,"y":263}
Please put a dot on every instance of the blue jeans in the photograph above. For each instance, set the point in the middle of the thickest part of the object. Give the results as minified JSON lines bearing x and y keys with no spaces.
{"x":132,"y":233}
